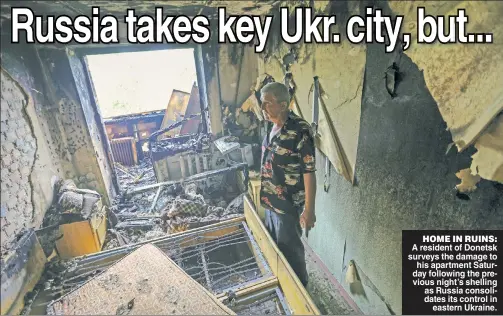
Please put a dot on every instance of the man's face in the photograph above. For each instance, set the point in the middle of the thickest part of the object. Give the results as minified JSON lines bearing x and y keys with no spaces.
{"x":271,"y":109}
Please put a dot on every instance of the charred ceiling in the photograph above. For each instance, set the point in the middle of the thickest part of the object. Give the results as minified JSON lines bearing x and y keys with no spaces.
{"x":119,"y":9}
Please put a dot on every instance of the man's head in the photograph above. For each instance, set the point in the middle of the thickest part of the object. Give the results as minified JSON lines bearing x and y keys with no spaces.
{"x":275,"y":101}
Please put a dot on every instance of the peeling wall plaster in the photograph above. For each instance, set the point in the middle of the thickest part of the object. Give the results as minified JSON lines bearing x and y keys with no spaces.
{"x":405,"y":180}
{"x":340,"y":69}
{"x":45,"y":136}
{"x":238,"y":71}
{"x":464,"y":79}
{"x":29,"y":168}
{"x":488,"y":160}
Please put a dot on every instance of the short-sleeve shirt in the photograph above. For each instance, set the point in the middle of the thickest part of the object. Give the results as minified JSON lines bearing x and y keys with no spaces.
{"x":285,"y":159}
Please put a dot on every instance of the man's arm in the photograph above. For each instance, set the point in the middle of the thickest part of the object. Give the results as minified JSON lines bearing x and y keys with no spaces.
{"x":308,"y":217}
{"x":308,"y":169}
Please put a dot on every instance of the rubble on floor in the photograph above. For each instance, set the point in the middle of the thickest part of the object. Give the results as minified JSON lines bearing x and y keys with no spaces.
{"x":141,"y":174}
{"x":166,"y":210}
{"x":144,"y":211}
{"x":171,"y":146}
{"x":134,"y":221}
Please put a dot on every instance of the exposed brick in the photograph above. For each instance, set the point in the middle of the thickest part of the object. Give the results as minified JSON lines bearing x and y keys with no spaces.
{"x":6,"y":161}
{"x":8,"y":147}
{"x":25,"y":171}
{"x":14,"y":166}
{"x":16,"y":154}
{"x":14,"y":187}
{"x":19,"y":142}
{"x":5,"y":174}
{"x":21,"y":196}
{"x":11,"y":202}
{"x":15,"y":176}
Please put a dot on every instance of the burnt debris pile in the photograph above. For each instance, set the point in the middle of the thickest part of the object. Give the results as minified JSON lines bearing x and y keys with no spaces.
{"x":188,"y":181}
{"x":141,"y":174}
{"x":192,"y":210}
{"x":183,"y":182}
{"x":142,"y":213}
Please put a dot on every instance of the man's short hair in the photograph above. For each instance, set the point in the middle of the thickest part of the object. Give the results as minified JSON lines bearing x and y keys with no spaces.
{"x":279,"y":90}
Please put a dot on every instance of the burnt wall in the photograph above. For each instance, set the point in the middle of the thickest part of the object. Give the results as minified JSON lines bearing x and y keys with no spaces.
{"x":94,"y":122}
{"x":30,"y":166}
{"x":206,"y":57}
{"x":403,"y":177}
{"x":49,"y":130}
{"x":404,"y":180}
{"x":74,"y":127}
{"x":238,"y":73}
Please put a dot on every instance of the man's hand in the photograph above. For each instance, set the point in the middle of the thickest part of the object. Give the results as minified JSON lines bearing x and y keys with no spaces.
{"x":307,"y":219}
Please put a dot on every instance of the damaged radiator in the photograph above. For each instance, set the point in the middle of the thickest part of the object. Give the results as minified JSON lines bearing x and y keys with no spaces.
{"x":124,"y":150}
{"x":184,"y":156}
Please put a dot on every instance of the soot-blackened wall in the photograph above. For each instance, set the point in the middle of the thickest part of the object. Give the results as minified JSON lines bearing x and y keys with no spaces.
{"x":404,"y":180}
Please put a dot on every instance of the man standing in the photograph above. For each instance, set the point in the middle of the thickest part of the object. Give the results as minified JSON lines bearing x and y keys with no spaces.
{"x":288,"y":180}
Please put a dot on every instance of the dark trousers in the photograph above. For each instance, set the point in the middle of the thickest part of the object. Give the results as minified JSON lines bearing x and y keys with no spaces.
{"x":286,"y":232}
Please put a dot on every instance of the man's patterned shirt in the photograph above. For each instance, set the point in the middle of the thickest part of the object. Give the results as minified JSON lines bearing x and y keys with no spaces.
{"x":285,"y":159}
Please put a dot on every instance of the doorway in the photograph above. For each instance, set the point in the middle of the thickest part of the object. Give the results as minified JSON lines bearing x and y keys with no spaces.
{"x":139,"y":94}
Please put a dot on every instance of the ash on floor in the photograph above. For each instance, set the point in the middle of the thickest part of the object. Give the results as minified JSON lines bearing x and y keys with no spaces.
{"x":175,"y":208}
{"x":137,"y":175}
